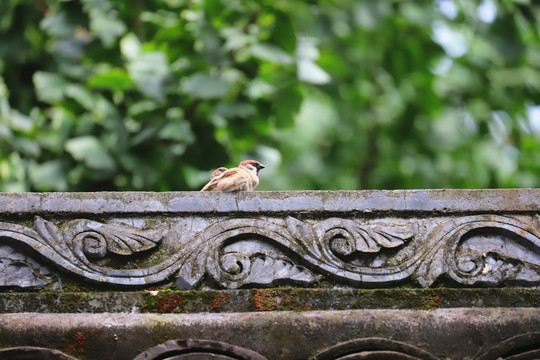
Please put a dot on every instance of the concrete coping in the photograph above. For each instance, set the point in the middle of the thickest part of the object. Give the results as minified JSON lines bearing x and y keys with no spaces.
{"x":438,"y":200}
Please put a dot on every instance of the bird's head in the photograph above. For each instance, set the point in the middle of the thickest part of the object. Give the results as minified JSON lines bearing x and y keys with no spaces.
{"x":252,"y":165}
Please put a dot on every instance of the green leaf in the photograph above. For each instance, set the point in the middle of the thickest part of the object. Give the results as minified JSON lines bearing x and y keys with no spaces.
{"x":204,"y":86}
{"x":284,"y":34}
{"x":4,"y":92}
{"x":149,"y":72}
{"x":5,"y":133}
{"x":81,"y":95}
{"x":89,"y":150}
{"x":145,"y":135}
{"x":115,"y":79}
{"x":142,"y":108}
{"x":26,"y":147}
{"x":212,"y":8}
{"x":236,"y":38}
{"x":20,"y":122}
{"x":57,"y":25}
{"x":130,"y":46}
{"x":229,"y":110}
{"x":271,"y":53}
{"x":49,"y":86}
{"x":312,"y":73}
{"x":258,"y":88}
{"x":49,"y":176}
{"x":6,"y":9}
{"x":177,"y":131}
{"x":308,"y":70}
{"x":287,"y":104}
{"x":106,"y":25}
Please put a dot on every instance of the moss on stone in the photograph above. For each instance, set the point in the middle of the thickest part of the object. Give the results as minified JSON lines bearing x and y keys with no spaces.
{"x":280,"y":299}
{"x":171,"y":300}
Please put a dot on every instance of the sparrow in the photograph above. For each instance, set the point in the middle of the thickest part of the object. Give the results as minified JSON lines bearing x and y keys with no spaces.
{"x":245,"y":177}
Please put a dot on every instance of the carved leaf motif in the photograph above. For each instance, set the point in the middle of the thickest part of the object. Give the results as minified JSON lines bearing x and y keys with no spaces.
{"x":125,"y":241}
{"x":284,"y":269}
{"x":375,"y":237}
{"x":304,"y":235}
{"x":299,"y":230}
{"x":50,"y":233}
{"x":345,"y":237}
{"x":97,"y":239}
{"x":192,"y":269}
{"x":262,"y":269}
{"x":281,"y":268}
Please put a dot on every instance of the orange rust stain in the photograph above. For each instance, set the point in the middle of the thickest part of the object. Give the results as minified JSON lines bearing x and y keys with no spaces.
{"x":217,"y":302}
{"x":80,"y":343}
{"x":169,"y":302}
{"x":264,"y":300}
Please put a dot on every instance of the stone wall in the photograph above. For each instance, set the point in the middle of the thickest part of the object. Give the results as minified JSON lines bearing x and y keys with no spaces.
{"x":271,"y":275}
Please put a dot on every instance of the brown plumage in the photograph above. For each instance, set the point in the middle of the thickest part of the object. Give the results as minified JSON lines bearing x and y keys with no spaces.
{"x":218,"y":172}
{"x":245,"y":177}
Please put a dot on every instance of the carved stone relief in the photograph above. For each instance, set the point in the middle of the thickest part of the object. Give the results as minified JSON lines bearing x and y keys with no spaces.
{"x":267,"y":251}
{"x":193,"y":349}
{"x":17,"y":269}
{"x":33,"y":353}
{"x":523,"y":346}
{"x":374,"y":348}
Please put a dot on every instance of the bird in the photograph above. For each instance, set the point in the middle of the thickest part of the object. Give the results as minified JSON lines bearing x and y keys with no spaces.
{"x":245,"y":177}
{"x":218,"y":172}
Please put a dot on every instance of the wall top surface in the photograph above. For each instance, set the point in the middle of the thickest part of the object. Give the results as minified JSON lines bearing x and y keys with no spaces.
{"x":441,"y":200}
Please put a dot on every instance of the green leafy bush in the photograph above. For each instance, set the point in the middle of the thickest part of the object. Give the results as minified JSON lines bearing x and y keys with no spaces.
{"x":153,"y":95}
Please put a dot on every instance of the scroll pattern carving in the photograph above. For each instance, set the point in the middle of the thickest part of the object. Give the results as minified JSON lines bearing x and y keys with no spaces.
{"x":82,"y":241}
{"x":247,"y":252}
{"x":486,"y":250}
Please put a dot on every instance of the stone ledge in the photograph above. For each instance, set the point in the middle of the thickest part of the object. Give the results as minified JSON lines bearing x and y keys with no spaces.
{"x":189,"y":202}
{"x":449,"y":333}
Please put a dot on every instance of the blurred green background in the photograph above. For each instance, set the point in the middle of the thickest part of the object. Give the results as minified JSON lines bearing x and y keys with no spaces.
{"x":344,"y":94}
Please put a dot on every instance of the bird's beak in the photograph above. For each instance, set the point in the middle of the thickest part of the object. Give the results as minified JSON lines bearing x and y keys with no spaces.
{"x":260,"y":166}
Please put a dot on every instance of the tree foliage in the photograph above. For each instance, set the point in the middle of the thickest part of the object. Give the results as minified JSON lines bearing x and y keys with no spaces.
{"x":153,"y":95}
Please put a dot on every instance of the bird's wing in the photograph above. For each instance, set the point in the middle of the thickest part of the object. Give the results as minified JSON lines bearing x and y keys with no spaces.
{"x":209,"y":185}
{"x":235,"y":179}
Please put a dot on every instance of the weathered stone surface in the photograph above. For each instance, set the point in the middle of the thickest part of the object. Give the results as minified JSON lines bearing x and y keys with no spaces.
{"x":449,"y":333}
{"x":441,"y":201}
{"x":416,"y":274}
{"x":19,"y":270}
